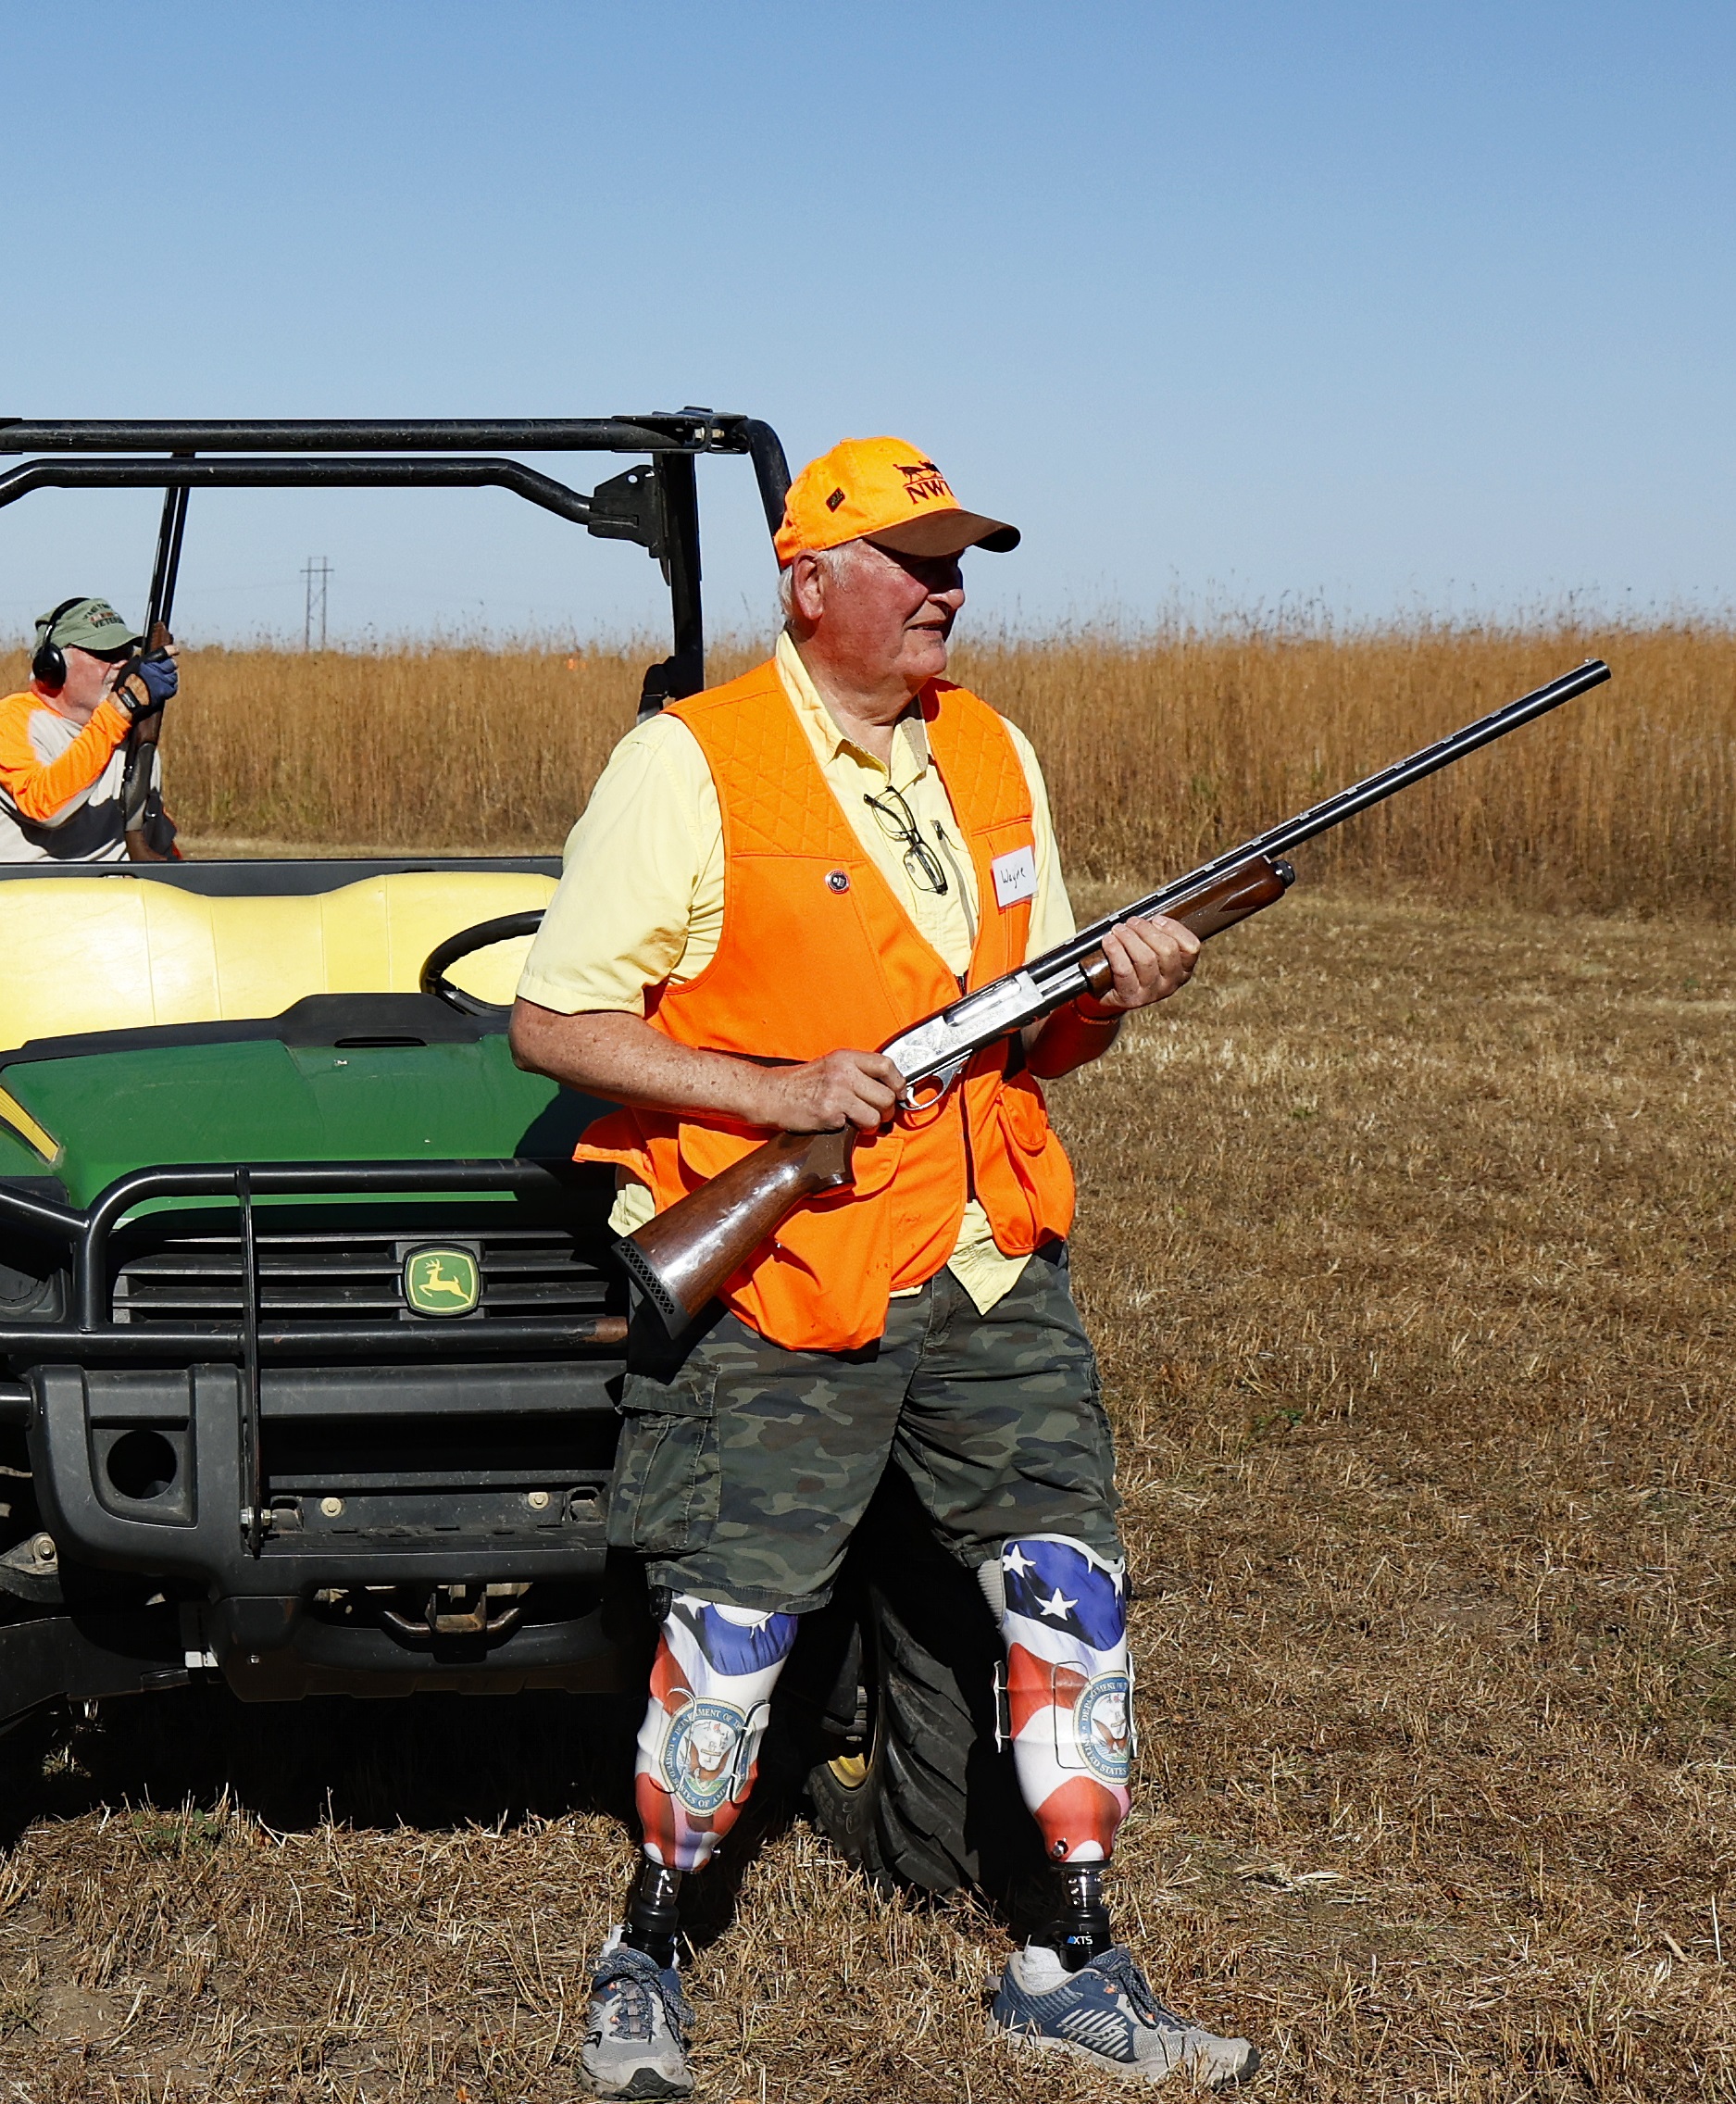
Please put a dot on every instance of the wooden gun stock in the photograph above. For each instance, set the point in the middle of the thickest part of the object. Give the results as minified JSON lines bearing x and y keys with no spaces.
{"x":681,"y":1259}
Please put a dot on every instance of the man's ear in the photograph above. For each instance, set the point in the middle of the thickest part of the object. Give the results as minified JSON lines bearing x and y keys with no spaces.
{"x":807,"y":589}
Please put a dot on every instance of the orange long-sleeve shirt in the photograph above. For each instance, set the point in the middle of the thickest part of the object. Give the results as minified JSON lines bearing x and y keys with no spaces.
{"x":48,"y":769}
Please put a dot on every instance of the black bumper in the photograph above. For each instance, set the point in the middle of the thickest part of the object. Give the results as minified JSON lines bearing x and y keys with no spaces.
{"x":347,"y":1501}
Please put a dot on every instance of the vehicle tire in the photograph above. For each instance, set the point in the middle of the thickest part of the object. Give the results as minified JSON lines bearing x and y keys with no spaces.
{"x":917,"y":1794}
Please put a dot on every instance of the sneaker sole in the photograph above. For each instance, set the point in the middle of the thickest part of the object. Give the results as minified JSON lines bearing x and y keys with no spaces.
{"x":646,"y":2084}
{"x":1026,"y":2041}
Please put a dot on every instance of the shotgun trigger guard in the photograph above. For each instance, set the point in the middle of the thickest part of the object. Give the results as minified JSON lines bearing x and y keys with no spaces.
{"x":925,"y":1091}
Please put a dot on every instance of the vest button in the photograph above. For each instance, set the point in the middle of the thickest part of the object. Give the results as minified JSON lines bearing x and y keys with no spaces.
{"x":837,"y":880}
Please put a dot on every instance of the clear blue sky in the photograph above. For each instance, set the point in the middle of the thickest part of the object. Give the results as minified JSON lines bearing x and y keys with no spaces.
{"x":1391,"y":305}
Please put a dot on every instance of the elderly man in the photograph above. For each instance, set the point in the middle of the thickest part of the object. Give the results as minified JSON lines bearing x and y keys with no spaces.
{"x":769,"y":879}
{"x":64,"y":742}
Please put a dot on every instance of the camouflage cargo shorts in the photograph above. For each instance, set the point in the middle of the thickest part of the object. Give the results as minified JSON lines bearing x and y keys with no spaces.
{"x":743,"y":1469}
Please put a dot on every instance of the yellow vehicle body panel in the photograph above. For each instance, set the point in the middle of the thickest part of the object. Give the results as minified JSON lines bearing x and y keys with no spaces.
{"x":120,"y":953}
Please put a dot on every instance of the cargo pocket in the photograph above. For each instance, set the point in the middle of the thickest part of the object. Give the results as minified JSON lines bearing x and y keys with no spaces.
{"x":663,"y":1498}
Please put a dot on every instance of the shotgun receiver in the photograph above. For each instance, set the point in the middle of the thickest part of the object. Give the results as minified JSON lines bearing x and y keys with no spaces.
{"x":683,"y":1257}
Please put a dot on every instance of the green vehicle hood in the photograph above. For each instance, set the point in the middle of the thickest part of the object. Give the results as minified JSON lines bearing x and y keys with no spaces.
{"x":110,"y":1112}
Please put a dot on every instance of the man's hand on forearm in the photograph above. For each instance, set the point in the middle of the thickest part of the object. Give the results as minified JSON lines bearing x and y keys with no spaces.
{"x":621,"y":1056}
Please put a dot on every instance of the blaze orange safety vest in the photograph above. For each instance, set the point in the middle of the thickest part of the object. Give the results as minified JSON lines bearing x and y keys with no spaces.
{"x":816,"y":954}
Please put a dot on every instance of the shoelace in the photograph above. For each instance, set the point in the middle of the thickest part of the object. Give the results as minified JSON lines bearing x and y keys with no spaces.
{"x":628,"y":1992}
{"x":628,"y":2014}
{"x":1118,"y":1967}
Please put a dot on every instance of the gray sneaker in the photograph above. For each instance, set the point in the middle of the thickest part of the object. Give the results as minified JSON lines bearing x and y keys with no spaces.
{"x":638,"y":2024}
{"x":1106,"y":2013}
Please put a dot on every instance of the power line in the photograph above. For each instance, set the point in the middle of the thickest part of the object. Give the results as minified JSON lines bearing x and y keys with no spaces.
{"x":317,"y":574}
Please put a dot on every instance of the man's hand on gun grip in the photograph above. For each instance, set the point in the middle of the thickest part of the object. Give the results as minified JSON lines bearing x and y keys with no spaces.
{"x":844,"y":1088}
{"x":1151,"y":959}
{"x":149,"y":685}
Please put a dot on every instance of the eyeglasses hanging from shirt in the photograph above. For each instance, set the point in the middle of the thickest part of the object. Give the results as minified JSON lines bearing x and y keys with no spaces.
{"x":898,"y":823}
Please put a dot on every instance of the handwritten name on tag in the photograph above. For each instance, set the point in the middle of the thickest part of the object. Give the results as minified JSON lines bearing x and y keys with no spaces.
{"x":1015,"y":876}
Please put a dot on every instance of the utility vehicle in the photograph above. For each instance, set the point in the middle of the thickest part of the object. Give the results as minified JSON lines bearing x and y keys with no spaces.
{"x":310,"y":1338}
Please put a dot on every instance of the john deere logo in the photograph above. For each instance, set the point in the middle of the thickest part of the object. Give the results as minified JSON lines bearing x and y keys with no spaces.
{"x":441,"y":1282}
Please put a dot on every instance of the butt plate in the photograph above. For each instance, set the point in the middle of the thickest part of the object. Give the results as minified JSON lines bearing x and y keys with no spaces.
{"x":645,"y":1275}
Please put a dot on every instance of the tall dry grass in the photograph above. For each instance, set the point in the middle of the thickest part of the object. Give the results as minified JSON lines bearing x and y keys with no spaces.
{"x":1157,"y":752}
{"x":1158,"y":756}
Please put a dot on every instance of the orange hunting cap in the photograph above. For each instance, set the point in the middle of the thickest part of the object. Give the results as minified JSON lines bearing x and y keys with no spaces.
{"x":880,"y":489}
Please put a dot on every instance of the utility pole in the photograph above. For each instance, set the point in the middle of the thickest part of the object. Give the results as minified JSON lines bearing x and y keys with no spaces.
{"x":316,"y":574}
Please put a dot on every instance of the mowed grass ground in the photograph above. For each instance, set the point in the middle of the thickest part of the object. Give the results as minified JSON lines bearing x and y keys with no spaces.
{"x":1405,"y":1234}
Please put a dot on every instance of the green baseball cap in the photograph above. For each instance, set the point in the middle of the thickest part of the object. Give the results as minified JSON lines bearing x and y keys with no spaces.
{"x":87,"y":624}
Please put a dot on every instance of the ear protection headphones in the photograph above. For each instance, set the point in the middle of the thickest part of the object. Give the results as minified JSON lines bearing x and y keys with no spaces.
{"x":49,"y":665}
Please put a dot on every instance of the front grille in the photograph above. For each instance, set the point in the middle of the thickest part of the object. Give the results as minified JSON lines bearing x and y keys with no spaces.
{"x":315,"y":1280}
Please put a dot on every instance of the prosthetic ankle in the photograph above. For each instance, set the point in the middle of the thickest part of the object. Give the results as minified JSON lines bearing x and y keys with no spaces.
{"x":652,"y":1912}
{"x":711,"y":1686}
{"x":1081,"y":1931}
{"x":1062,"y":1610}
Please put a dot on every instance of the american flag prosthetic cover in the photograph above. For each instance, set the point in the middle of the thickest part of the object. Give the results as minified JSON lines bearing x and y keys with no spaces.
{"x":1063,"y":1615}
{"x":711,"y":1684}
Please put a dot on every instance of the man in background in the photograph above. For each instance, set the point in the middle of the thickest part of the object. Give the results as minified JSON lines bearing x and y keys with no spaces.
{"x":63,"y":741}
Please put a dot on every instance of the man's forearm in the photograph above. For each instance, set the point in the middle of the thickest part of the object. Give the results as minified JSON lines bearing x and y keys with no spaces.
{"x":612,"y":1054}
{"x":618,"y":1055}
{"x":622,"y":1058}
{"x":1071,"y":1037}
{"x":42,"y":790}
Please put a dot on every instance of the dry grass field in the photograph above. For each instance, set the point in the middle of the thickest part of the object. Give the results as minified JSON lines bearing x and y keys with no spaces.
{"x":1406,"y":1235}
{"x":1157,"y":752}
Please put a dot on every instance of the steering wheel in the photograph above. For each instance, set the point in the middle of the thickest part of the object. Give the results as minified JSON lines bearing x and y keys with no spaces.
{"x":433,"y":978}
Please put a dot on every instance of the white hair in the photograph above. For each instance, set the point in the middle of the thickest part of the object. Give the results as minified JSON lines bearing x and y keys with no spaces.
{"x":832,"y":561}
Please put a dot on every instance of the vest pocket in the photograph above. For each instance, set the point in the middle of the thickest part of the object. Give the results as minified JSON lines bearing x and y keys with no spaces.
{"x":1024,"y":1117}
{"x":1027,"y":1168}
{"x":664,"y":1496}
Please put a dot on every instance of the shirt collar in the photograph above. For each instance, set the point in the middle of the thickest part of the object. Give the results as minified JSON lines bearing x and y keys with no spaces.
{"x":910,"y":739}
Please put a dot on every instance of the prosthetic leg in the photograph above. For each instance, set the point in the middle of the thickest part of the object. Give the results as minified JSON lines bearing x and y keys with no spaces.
{"x":1074,"y":1988}
{"x":711,"y":1686}
{"x":1062,"y":1610}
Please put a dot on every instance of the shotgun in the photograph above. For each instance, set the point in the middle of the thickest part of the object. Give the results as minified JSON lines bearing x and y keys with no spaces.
{"x":146,"y":821}
{"x":683,"y":1258}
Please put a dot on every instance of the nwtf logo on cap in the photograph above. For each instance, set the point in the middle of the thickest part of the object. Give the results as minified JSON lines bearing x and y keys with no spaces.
{"x":924,"y":482}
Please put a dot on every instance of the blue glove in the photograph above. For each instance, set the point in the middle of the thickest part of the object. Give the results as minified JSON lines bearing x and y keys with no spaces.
{"x":156,"y":677}
{"x":159,"y":679}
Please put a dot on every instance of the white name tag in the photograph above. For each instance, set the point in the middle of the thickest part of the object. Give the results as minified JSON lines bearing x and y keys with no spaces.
{"x":1015,"y":876}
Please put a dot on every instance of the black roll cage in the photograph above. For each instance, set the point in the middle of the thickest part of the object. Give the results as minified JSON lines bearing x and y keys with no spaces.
{"x":655,"y":507}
